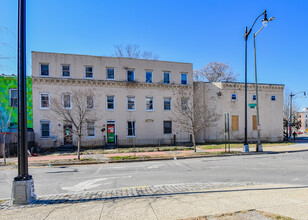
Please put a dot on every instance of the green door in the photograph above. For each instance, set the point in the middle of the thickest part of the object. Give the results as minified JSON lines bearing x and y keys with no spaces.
{"x":111,"y":133}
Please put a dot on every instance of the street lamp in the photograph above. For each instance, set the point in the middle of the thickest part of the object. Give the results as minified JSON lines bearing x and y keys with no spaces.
{"x":290,"y":115}
{"x":23,"y":184}
{"x":259,"y":145}
{"x":246,"y":34}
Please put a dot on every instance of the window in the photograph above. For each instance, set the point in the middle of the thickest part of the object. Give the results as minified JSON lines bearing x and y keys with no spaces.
{"x":45,"y":129}
{"x":90,"y":102}
{"x":233,"y":97}
{"x":110,"y":102}
{"x":89,"y":71}
{"x":44,"y":100}
{"x":67,"y":101}
{"x":130,"y":75}
{"x":184,"y":78}
{"x":90,"y":129}
{"x":273,"y":98}
{"x":235,"y":123}
{"x":254,"y":122}
{"x":148,"y":76}
{"x":149,"y":104}
{"x":167,"y":127}
{"x":167,"y":104}
{"x":110,"y":73}
{"x":254,"y":97}
{"x":66,"y":70}
{"x":44,"y":69}
{"x":13,"y":98}
{"x":131,"y":129}
{"x":184,"y":103}
{"x":166,"y":78}
{"x":130,"y":103}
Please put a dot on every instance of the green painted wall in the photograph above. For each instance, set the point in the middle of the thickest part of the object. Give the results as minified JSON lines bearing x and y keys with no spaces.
{"x":10,"y":82}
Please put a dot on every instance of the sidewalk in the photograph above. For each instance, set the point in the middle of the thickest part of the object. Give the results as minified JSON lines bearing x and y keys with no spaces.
{"x":168,"y":202}
{"x":156,"y":155}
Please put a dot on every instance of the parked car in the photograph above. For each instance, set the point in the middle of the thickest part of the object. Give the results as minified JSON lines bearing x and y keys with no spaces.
{"x":300,"y":132}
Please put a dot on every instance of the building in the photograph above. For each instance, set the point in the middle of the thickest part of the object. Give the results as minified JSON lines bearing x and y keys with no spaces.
{"x":8,"y":98}
{"x":303,"y":117}
{"x":133,"y":98}
{"x":9,"y":113}
{"x":223,"y":97}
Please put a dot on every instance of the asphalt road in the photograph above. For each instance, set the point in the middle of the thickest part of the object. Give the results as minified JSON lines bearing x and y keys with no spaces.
{"x":286,"y":168}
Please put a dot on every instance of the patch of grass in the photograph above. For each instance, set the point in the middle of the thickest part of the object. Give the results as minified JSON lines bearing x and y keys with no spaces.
{"x":8,"y":164}
{"x":127,"y":157}
{"x":84,"y":159}
{"x":240,"y":145}
{"x":1,"y":201}
{"x":217,"y":153}
{"x":275,"y":216}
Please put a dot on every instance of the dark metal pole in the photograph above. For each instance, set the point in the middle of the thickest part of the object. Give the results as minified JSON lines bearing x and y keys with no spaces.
{"x":290,"y":118}
{"x":258,"y":147}
{"x":246,"y":37}
{"x":22,"y":95}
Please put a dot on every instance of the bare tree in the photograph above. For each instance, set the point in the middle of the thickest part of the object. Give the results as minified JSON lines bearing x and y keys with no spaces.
{"x":215,"y":72}
{"x":191,"y":114}
{"x":133,"y":51}
{"x":75,"y":108}
{"x":5,"y":119}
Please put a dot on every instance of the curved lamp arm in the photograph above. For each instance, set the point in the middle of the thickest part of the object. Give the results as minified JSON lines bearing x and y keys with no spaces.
{"x":265,"y":19}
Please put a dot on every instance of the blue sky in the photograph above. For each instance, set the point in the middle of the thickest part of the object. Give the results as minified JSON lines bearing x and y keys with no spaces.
{"x":196,"y":31}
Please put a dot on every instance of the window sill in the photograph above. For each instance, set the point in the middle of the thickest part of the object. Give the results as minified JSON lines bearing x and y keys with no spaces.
{"x":90,"y":136}
{"x":149,"y":110}
{"x":44,"y":76}
{"x":131,"y":110}
{"x":45,"y":137}
{"x":45,"y":108}
{"x":130,"y":136}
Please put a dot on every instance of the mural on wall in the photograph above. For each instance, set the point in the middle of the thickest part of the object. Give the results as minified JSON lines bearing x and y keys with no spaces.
{"x":8,"y":83}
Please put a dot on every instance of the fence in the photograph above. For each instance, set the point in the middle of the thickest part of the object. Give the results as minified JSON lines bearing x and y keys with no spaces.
{"x":11,"y":139}
{"x":130,"y":142}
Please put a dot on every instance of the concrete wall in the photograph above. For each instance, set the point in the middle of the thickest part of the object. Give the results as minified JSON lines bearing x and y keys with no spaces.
{"x":217,"y":96}
{"x":149,"y":124}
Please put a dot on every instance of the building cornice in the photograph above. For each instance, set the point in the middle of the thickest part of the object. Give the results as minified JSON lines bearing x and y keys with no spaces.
{"x":251,"y":86}
{"x":104,"y":83}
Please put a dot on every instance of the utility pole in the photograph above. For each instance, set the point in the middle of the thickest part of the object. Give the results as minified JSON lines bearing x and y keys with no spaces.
{"x":23,"y":184}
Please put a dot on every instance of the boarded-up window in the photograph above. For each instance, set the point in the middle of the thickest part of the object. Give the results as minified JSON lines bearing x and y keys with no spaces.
{"x":254,"y":122}
{"x":234,"y":122}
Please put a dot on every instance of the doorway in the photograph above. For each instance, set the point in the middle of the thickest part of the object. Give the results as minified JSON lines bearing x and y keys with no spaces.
{"x":67,"y":134}
{"x":111,"y":137}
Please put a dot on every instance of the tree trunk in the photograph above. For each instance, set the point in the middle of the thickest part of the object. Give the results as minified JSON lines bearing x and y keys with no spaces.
{"x":78,"y":148}
{"x":194,"y":142}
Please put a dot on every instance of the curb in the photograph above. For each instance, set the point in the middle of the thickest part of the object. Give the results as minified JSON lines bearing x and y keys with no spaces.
{"x":158,"y":159}
{"x":149,"y":159}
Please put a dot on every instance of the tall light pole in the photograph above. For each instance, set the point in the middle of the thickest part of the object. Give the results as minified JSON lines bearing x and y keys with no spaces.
{"x":259,"y":145}
{"x":290,"y":115}
{"x":23,"y":185}
{"x":246,"y":34}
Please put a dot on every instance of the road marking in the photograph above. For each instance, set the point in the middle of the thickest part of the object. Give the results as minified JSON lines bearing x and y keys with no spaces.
{"x":90,"y":184}
{"x":156,"y":166}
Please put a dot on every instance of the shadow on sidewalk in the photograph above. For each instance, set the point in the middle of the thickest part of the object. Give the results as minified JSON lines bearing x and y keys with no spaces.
{"x":140,"y":193}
